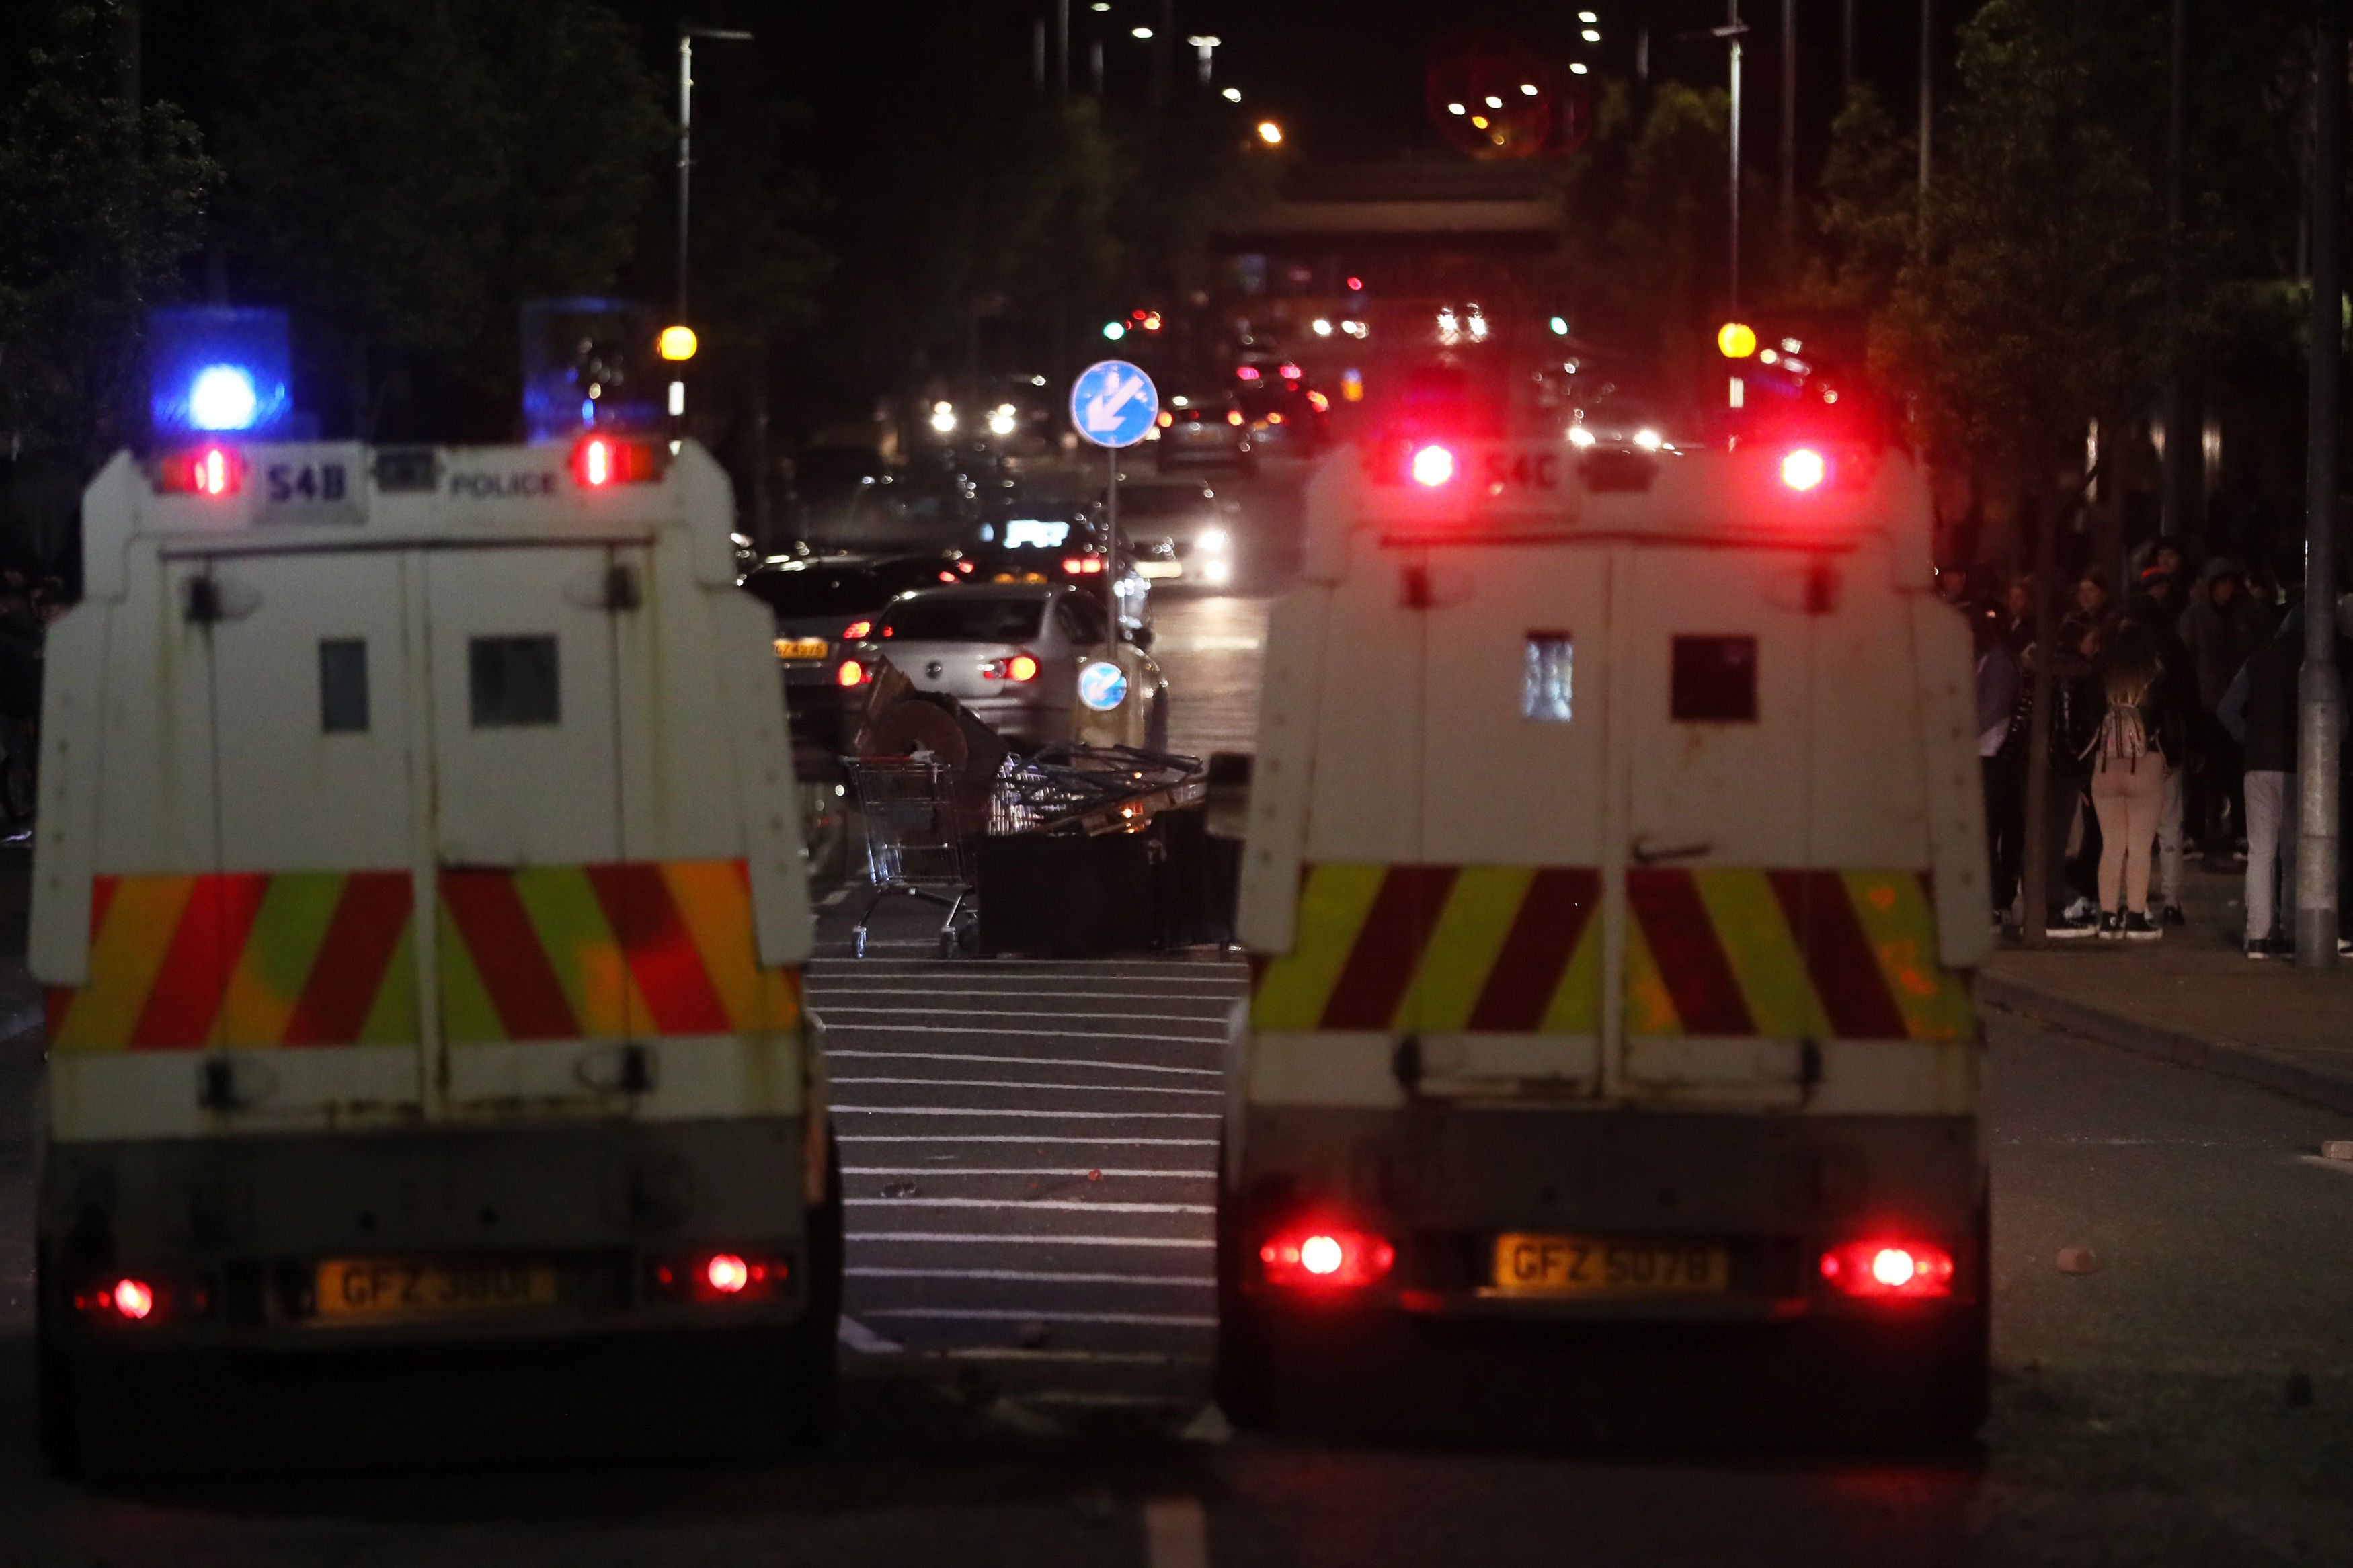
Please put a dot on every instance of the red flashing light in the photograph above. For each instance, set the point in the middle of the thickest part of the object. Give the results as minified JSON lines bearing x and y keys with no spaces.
{"x":1803,"y":469}
{"x":728,"y":1273}
{"x":1317,"y":1257}
{"x":852,"y":673}
{"x":1432,"y":466}
{"x":1246,"y":372}
{"x":1356,"y":284}
{"x":213,"y":470}
{"x":1889,"y":1271}
{"x":598,"y":461}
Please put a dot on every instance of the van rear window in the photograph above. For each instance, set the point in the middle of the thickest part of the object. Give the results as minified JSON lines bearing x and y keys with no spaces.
{"x":343,"y":686}
{"x":958,"y":620}
{"x":1714,"y":681}
{"x":513,"y":681}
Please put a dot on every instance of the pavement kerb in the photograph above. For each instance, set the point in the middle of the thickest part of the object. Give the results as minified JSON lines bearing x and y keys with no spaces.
{"x":2253,"y":1064}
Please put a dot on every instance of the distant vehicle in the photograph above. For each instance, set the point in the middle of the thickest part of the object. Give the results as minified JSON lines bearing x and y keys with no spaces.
{"x":930,"y":504}
{"x":1204,"y":428}
{"x":1287,"y":418}
{"x":1184,"y":534}
{"x":1031,"y":539}
{"x":1035,"y":662}
{"x":824,"y":604}
{"x":424,"y":958}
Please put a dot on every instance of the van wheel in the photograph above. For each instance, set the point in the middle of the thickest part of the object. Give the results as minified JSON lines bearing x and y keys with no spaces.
{"x":813,"y":1356}
{"x":1156,"y":723}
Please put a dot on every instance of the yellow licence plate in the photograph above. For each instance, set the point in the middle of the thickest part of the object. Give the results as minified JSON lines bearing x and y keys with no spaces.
{"x":1609,"y":1266}
{"x":802,"y":647}
{"x":422,"y":1287}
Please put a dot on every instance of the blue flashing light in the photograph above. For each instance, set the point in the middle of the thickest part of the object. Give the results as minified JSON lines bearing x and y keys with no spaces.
{"x":588,"y":414}
{"x":214,"y":370}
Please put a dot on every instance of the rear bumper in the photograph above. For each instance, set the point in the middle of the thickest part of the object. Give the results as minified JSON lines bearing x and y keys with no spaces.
{"x":231,"y":1231}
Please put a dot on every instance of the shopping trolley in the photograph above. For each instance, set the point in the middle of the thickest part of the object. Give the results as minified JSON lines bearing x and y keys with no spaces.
{"x":918,"y":842}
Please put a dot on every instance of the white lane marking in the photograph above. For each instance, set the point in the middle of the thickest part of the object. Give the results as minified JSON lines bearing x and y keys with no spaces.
{"x":1021,"y":1013}
{"x":1200,"y":1175}
{"x":1021,"y":1061}
{"x":1002,"y":1315}
{"x":865,"y":1341}
{"x":1057,"y":1115}
{"x":1030,"y":1137}
{"x":1050,"y":1204}
{"x":967,"y":1239}
{"x":1216,"y":1040}
{"x":1037,"y":1277}
{"x":1020,"y":1083}
{"x":2342,"y":1167}
{"x":1176,"y":1533}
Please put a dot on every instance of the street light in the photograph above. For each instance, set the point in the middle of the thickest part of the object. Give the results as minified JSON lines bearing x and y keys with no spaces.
{"x":1205,"y":47}
{"x":686,"y":37}
{"x":1269,"y":133}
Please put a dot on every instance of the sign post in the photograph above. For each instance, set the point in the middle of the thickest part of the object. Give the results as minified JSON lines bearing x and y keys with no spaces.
{"x":1113,"y":404}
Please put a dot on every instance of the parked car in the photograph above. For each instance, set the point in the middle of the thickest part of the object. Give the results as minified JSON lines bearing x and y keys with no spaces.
{"x":1036,"y":662}
{"x":822,"y":604}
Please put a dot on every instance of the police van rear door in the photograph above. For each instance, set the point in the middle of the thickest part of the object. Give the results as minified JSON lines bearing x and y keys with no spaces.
{"x":526,"y":821}
{"x":1776,"y":903}
{"x":1514,"y":761}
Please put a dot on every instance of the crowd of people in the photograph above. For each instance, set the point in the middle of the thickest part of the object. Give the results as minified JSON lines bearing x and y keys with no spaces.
{"x":2173,"y":732}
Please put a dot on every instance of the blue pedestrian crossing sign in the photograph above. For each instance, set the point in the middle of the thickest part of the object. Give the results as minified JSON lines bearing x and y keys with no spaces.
{"x":1113,"y":404}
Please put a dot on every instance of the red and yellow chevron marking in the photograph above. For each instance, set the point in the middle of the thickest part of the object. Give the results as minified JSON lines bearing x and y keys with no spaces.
{"x":244,"y":960}
{"x":1816,"y":954}
{"x":1514,"y":948}
{"x":638,"y":948}
{"x":1451,"y":948}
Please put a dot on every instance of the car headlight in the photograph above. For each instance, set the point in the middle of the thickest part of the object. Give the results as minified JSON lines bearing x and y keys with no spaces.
{"x":1580,"y":436}
{"x":1215,"y":540}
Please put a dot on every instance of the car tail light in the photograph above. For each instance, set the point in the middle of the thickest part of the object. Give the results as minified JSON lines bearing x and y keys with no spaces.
{"x":598,"y":461}
{"x":856,"y":631}
{"x":1317,"y":401}
{"x":1321,"y":1258}
{"x":1082,"y":565}
{"x":721,"y":1277}
{"x":1432,"y":466}
{"x":964,"y":567}
{"x":1246,"y":372}
{"x":1889,"y":1271}
{"x":1274,"y":418}
{"x":1233,"y":417}
{"x":213,"y":470}
{"x":852,"y":673}
{"x":1020,"y":666}
{"x":1288,"y":371}
{"x":1803,"y":469}
{"x":1166,"y":419}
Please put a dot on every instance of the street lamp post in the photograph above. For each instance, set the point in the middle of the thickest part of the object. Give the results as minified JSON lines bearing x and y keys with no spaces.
{"x":2320,"y":719}
{"x":686,"y":37}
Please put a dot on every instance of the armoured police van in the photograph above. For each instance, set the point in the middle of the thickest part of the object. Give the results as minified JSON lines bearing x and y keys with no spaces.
{"x":1614,"y":876}
{"x":419,"y":893}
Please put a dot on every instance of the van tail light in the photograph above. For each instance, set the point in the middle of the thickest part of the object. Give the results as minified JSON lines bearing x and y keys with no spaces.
{"x":209,"y":470}
{"x":1326,"y":1257}
{"x":1432,"y":466}
{"x":1889,"y":1271}
{"x":133,"y":1298}
{"x":1020,"y":666}
{"x":599,"y":461}
{"x":856,"y":631}
{"x":853,"y":673}
{"x":721,"y":1277}
{"x":1803,"y":469}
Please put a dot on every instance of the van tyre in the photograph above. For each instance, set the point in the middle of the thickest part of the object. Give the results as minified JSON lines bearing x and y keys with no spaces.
{"x":1243,"y":1380}
{"x":813,"y":1355}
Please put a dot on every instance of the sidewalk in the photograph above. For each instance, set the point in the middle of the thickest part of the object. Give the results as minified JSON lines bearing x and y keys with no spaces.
{"x":2192,"y":998}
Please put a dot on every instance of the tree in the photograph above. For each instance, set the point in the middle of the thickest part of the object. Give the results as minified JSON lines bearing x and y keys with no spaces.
{"x":102,"y":202}
{"x":402,"y":173}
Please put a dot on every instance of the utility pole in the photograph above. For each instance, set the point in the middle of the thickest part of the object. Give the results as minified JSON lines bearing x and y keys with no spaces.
{"x":2175,"y":457}
{"x":1927,"y":88}
{"x":1062,"y":46}
{"x":1788,"y":138}
{"x":2320,"y":713}
{"x":1731,"y":32}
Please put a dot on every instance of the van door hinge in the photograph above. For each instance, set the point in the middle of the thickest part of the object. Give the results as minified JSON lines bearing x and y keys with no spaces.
{"x":201,"y":603}
{"x":621,"y":590}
